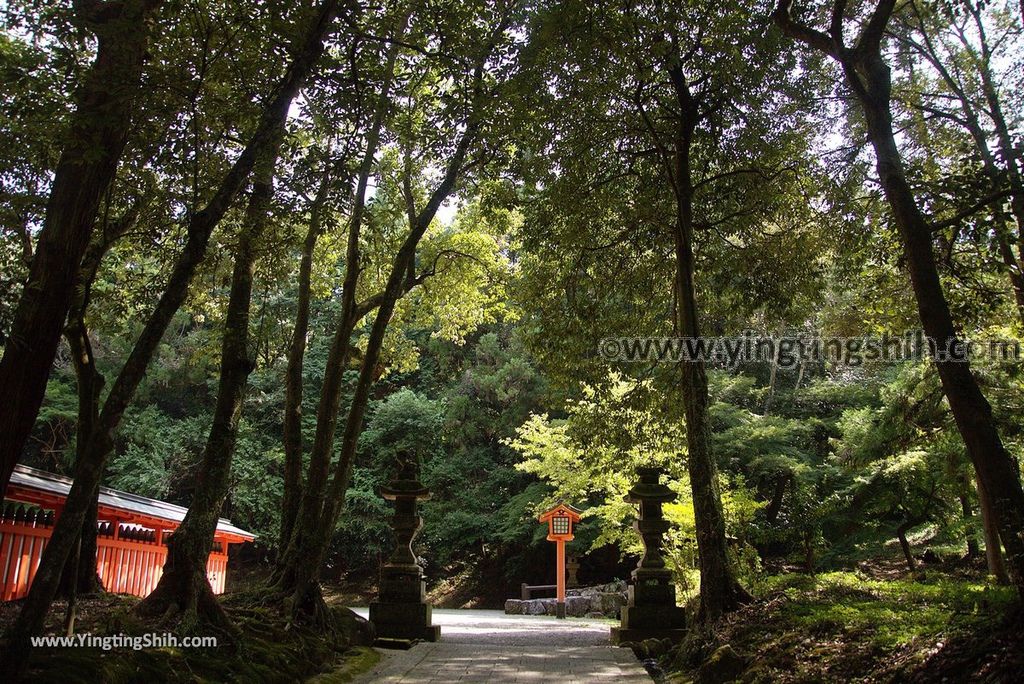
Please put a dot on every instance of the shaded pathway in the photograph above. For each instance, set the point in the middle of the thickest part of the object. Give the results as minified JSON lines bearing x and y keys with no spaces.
{"x":489,"y":646}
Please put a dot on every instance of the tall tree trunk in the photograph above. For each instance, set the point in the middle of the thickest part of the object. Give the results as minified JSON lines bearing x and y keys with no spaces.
{"x":868,"y":77}
{"x":184,"y":592}
{"x":773,"y":376}
{"x":292,"y":425}
{"x":993,"y":548}
{"x":771,"y":511}
{"x":808,"y":539}
{"x":94,"y":144}
{"x":967,"y":511}
{"x":304,"y":528}
{"x":201,"y":225}
{"x":901,"y":534}
{"x":80,"y":569}
{"x":720,"y":591}
{"x":309,"y":543}
{"x":80,"y":576}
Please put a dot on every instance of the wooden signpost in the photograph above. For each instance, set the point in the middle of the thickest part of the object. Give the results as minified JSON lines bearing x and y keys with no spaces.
{"x":560,"y":520}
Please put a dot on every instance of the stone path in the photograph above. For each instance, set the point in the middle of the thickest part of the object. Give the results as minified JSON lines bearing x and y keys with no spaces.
{"x":489,"y":646}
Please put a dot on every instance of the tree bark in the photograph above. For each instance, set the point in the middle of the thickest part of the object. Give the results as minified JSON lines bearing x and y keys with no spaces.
{"x":200,"y":226}
{"x":292,"y":424}
{"x":809,"y":561}
{"x":901,"y":534}
{"x":967,"y":511}
{"x":968,"y":516}
{"x":184,"y":592}
{"x":868,"y":77}
{"x":771,"y":512}
{"x":80,"y":575}
{"x":993,"y":548}
{"x":90,"y":385}
{"x":94,"y":144}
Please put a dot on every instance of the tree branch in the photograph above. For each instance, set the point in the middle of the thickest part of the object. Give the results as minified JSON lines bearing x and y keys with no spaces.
{"x":802,"y":32}
{"x":973,"y":209}
{"x":871,"y":37}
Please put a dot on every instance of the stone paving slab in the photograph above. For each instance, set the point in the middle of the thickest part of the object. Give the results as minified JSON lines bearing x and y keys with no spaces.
{"x":488,"y":646}
{"x":447,"y":662}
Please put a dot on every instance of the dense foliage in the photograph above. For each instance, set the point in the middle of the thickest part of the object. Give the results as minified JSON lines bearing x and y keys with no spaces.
{"x":405,"y":230}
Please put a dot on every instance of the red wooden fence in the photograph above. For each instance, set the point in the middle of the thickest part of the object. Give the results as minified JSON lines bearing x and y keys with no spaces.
{"x":128,"y":562}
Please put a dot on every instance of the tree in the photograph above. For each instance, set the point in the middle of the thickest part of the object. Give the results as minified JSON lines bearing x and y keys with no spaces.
{"x":95,"y":139}
{"x":200,"y":226}
{"x":184,"y":589}
{"x":868,"y":76}
{"x":959,"y":88}
{"x":427,"y":123}
{"x":330,"y":397}
{"x":665,"y":120}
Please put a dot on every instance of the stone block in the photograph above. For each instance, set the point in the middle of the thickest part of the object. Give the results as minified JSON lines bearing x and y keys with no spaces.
{"x":653,"y":617}
{"x":577,"y":606}
{"x":514,"y":607}
{"x":621,"y":636}
{"x":652,"y":594}
{"x":396,"y":633}
{"x":399,"y":612}
{"x":403,"y":621}
{"x":608,"y":603}
{"x":533,"y":607}
{"x":401,"y":588}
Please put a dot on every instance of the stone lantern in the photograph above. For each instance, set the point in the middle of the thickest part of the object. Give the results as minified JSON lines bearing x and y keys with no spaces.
{"x":401,"y":610}
{"x":651,"y":611}
{"x":572,"y":566}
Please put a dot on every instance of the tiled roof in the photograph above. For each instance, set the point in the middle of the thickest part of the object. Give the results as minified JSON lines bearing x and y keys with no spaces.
{"x":40,"y":480}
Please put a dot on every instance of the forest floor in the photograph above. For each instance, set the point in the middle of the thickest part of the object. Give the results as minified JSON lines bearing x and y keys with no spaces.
{"x":267,"y":651}
{"x":876,"y":626}
{"x":461,"y":589}
{"x":877,"y":623}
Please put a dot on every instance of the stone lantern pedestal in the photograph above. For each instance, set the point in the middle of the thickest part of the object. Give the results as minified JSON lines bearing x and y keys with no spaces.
{"x":401,"y":610}
{"x":651,"y":611}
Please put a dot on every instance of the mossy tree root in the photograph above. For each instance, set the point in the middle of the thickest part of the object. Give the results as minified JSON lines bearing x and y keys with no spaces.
{"x":184,"y":601}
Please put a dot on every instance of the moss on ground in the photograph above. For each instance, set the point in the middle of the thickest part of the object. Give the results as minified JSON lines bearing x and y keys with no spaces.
{"x":358,"y":660}
{"x":846,"y":626}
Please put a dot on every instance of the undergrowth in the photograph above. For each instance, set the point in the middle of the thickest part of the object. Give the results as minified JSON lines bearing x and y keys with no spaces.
{"x":267,"y":651}
{"x":849,"y":626}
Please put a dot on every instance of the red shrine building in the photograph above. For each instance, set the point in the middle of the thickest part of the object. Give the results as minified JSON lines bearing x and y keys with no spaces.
{"x":131,"y":539}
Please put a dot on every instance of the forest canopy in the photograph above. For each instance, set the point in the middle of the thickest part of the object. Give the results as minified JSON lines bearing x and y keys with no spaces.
{"x":257,"y":258}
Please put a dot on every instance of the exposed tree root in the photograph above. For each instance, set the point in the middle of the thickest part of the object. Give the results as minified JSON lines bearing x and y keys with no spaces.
{"x":185,"y":602}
